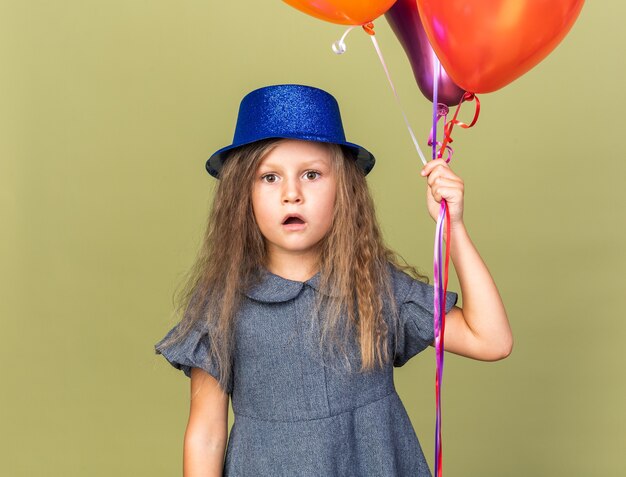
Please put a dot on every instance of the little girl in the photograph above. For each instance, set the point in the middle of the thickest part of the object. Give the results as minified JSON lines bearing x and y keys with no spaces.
{"x":297,"y":310}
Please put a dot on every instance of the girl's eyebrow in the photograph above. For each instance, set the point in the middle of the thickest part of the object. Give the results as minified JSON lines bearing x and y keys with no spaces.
{"x":304,"y":165}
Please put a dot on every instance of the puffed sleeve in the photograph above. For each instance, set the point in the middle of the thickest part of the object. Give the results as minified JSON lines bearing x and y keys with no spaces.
{"x":415,"y":328}
{"x":192,"y":351}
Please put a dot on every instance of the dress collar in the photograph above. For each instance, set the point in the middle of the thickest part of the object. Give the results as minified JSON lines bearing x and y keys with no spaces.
{"x":273,"y":288}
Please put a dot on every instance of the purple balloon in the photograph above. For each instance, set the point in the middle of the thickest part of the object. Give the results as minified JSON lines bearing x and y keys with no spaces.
{"x":406,"y":23}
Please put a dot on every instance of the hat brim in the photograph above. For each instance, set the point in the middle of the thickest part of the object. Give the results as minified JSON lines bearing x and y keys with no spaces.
{"x":364,"y":159}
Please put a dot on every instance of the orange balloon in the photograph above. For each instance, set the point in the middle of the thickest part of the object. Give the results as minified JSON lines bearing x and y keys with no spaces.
{"x":486,"y":44}
{"x":345,"y":12}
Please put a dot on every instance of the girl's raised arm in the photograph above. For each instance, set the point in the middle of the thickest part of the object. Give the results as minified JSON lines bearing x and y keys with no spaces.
{"x":206,"y":435}
{"x":481,"y":329}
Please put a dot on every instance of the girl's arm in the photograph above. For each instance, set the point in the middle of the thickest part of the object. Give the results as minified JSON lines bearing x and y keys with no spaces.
{"x":206,"y":435}
{"x":480,"y":329}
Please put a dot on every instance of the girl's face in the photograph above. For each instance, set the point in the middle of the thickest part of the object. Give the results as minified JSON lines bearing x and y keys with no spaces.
{"x":293,"y":197}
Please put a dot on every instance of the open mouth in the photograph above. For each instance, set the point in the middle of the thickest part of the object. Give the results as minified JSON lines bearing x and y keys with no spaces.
{"x":293,"y":220}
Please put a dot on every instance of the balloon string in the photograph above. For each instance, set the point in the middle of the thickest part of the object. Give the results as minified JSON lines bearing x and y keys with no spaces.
{"x":440,"y":111}
{"x":442,"y":114}
{"x":447,"y":130}
{"x":433,"y":132}
{"x":346,"y":34}
{"x":369,"y":29}
{"x":443,"y":329}
{"x":440,"y":289}
{"x":440,"y":275}
{"x":339,"y":47}
{"x":437,"y":277}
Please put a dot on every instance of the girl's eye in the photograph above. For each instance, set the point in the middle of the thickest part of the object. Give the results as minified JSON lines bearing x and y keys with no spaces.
{"x":271,"y":178}
{"x":312,"y":175}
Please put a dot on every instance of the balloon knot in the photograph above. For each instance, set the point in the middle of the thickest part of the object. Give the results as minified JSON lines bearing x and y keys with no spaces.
{"x":468,"y":96}
{"x":442,"y":110}
{"x":369,"y":28}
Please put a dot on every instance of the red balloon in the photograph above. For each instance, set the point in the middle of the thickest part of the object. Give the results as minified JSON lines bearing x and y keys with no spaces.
{"x":486,"y":44}
{"x":405,"y":22}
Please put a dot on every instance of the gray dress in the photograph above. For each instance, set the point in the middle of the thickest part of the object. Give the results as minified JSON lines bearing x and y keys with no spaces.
{"x":296,"y":417}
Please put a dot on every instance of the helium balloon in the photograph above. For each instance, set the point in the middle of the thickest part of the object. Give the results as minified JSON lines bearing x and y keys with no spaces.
{"x":344,"y":12}
{"x":486,"y":44}
{"x":404,"y":19}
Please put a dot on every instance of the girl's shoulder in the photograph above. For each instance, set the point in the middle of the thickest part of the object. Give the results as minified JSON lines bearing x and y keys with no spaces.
{"x":402,"y":282}
{"x":410,"y":292}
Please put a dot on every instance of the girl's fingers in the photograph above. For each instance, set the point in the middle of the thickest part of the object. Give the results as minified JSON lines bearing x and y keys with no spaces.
{"x":427,"y":169}
{"x":446,"y":186}
{"x":439,"y":170}
{"x":442,"y":183}
{"x":442,"y":178}
{"x":448,"y":193}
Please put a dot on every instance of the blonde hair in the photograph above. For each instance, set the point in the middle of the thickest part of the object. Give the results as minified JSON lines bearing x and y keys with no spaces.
{"x":355,"y":282}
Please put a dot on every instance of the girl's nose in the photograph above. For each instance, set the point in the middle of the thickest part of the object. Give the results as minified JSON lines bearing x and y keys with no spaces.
{"x":291,"y":192}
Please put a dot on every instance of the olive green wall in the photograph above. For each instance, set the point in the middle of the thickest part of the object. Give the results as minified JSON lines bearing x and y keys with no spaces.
{"x":107,"y":113}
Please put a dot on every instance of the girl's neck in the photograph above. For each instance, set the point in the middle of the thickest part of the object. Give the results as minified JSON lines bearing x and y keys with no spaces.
{"x":292,"y":266}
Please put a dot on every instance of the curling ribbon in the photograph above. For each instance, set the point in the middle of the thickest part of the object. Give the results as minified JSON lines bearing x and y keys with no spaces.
{"x":440,"y":114}
{"x":439,"y":318}
{"x":440,"y":275}
{"x":447,"y":130}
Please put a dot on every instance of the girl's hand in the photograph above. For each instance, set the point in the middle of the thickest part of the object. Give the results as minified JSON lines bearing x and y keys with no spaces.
{"x":443,"y":183}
